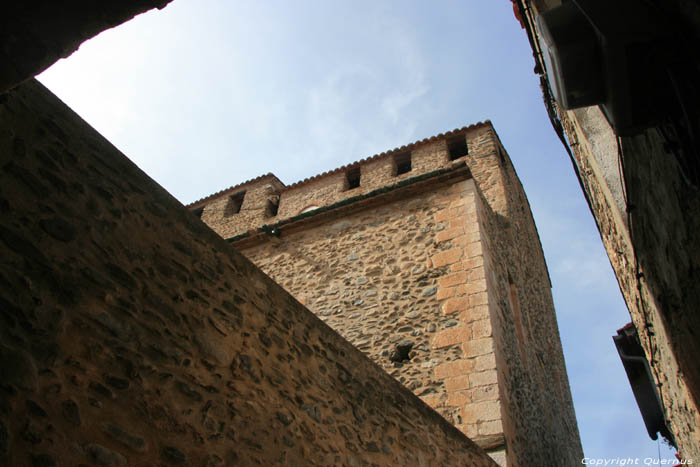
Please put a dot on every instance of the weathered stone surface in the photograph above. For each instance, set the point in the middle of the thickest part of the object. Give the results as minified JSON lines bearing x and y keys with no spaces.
{"x":35,"y":409}
{"x":100,"y":455}
{"x":71,"y":412}
{"x":342,"y":225}
{"x":58,"y":228}
{"x":129,"y":440}
{"x":643,"y":193}
{"x":118,"y":318}
{"x":43,"y":460}
{"x":425,"y":251}
{"x":4,"y":441}
{"x":17,"y":368}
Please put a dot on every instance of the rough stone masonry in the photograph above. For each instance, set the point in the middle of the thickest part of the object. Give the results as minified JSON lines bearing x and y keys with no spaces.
{"x":131,"y":334}
{"x":427,"y":259}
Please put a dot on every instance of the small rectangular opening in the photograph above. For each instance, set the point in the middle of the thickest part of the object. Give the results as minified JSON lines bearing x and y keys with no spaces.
{"x":402,"y":163}
{"x":457,"y":147}
{"x":501,"y":154}
{"x":235,"y":202}
{"x":352,"y":178}
{"x":272,"y":207}
{"x":198,"y":212}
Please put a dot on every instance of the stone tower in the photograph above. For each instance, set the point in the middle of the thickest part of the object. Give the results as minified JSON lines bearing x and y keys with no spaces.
{"x":427,"y":259}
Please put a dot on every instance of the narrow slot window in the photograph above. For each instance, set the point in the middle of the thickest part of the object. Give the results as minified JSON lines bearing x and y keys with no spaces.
{"x":235,"y":202}
{"x":272,"y":207}
{"x":402,"y":163}
{"x":352,"y":178}
{"x":457,"y":147}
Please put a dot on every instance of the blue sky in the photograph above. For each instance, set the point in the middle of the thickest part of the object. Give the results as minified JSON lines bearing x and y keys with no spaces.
{"x":204,"y":95}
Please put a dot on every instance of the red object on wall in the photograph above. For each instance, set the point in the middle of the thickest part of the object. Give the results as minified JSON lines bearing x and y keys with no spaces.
{"x":516,"y":12}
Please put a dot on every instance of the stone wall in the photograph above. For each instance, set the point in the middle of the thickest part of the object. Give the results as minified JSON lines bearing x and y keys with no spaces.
{"x":421,"y":278}
{"x":662,"y":300}
{"x":646,"y":202}
{"x":255,"y":195}
{"x":529,"y":360}
{"x":386,"y":278}
{"x":134,"y":335}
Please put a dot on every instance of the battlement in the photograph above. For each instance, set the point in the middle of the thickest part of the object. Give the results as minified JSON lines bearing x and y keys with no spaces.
{"x":266,"y":200}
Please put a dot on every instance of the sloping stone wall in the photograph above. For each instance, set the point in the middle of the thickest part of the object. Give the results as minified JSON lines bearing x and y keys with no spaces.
{"x":134,"y":335}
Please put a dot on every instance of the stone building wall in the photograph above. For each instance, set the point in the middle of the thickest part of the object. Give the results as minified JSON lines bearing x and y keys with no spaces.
{"x":134,"y":335}
{"x":421,"y":278}
{"x":386,"y":277}
{"x":646,"y":202}
{"x":531,"y":372}
{"x":662,"y":300}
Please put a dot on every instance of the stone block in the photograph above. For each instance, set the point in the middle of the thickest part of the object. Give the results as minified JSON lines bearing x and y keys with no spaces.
{"x":481,"y":328}
{"x":485,"y":362}
{"x":447,"y":214}
{"x":472,"y":249}
{"x":477,"y":299}
{"x":458,"y":398}
{"x":452,"y":336}
{"x":476,"y":347}
{"x":461,"y":240}
{"x":473,"y":263}
{"x":449,"y":234}
{"x":447,"y":257}
{"x":472,"y":287}
{"x":455,"y":304}
{"x":446,"y":292}
{"x":483,"y":378}
{"x":481,"y":411}
{"x":454,"y":368}
{"x":470,"y":228}
{"x":457,"y":383}
{"x":452,"y":279}
{"x":477,"y":272}
{"x":474,"y":314}
{"x":491,"y":427}
{"x":485,"y":393}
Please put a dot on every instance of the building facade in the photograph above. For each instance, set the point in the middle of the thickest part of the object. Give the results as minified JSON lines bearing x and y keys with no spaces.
{"x":427,"y":259}
{"x":634,"y":149}
{"x":133,"y":335}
